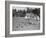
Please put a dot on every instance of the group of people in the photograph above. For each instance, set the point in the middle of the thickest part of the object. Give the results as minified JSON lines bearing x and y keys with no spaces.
{"x":32,"y":16}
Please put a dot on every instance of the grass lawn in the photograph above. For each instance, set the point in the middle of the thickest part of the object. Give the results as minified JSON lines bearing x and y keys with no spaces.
{"x":21,"y":24}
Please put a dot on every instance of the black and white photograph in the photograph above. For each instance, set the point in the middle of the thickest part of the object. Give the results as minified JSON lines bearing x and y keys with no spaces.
{"x":24,"y":18}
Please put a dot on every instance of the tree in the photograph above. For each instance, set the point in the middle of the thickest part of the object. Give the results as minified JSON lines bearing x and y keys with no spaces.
{"x":36,"y":11}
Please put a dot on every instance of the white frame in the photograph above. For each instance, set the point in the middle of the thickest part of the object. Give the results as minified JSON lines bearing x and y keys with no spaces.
{"x":32,"y":31}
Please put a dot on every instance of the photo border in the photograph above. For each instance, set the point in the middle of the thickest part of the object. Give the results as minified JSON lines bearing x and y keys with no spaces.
{"x":7,"y":18}
{"x":33,"y":31}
